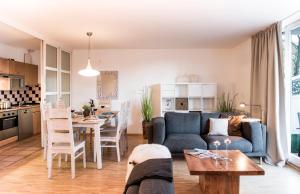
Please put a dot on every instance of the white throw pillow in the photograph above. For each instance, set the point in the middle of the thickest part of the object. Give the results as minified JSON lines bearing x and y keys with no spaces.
{"x":218,"y":126}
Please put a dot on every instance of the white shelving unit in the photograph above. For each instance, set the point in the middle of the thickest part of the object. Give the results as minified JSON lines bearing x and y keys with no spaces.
{"x":184,"y":97}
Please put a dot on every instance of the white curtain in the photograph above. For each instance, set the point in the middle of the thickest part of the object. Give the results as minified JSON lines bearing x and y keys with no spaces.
{"x":267,"y":90}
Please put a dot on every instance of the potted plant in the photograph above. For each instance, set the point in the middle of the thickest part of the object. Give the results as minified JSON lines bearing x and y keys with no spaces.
{"x":86,"y":110}
{"x":146,"y":113}
{"x":226,"y":104}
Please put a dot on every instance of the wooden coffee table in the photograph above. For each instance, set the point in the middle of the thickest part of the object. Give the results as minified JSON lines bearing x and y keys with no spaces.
{"x":222,"y":177}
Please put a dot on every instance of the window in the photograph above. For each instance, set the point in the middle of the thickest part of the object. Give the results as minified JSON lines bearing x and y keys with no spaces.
{"x":291,"y":38}
{"x":295,"y":43}
{"x":295,"y":54}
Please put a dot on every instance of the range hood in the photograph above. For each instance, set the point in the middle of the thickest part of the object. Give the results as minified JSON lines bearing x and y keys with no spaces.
{"x":11,"y":82}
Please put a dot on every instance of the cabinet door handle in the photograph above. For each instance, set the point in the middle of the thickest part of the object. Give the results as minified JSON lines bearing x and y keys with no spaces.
{"x":10,"y":119}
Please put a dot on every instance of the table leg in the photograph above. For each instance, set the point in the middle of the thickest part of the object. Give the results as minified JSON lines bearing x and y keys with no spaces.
{"x":94,"y":150}
{"x":219,"y":184}
{"x":97,"y":147}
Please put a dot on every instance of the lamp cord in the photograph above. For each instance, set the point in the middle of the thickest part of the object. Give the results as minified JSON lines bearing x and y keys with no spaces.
{"x":89,"y":48}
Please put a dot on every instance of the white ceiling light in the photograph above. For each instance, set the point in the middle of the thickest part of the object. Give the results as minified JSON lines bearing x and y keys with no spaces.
{"x":89,"y":71}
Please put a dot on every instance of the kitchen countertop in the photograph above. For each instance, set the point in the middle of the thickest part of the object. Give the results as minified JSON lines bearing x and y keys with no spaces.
{"x":14,"y":108}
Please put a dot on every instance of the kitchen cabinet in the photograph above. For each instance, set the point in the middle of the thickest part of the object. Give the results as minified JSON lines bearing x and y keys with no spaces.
{"x":31,"y":75}
{"x":36,"y":120}
{"x":29,"y":71}
{"x":4,"y":66}
{"x":17,"y":68}
{"x":25,"y":124}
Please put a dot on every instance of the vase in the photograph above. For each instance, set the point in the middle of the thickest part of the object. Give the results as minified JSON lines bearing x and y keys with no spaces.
{"x":86,"y":113}
{"x":147,"y":125}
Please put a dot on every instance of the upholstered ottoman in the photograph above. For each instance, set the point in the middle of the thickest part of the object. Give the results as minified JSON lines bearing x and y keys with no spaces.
{"x":149,"y":170}
{"x":145,"y":152}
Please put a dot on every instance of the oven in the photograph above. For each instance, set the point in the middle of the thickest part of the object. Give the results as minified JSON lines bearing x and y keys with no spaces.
{"x":8,"y":125}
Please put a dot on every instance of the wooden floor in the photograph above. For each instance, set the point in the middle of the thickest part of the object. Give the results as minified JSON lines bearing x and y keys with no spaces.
{"x":22,"y":170}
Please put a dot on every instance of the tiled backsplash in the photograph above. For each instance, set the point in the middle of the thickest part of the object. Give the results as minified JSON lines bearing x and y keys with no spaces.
{"x":31,"y":94}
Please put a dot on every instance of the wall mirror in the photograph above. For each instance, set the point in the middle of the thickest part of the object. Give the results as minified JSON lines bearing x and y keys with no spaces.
{"x":107,"y":84}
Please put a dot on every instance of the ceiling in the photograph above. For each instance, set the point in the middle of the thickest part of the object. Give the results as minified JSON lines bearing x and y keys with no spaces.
{"x":148,"y":23}
{"x":17,"y":38}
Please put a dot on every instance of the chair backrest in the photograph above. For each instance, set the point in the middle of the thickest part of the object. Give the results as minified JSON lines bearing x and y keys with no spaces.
{"x":46,"y":107}
{"x":59,"y":125}
{"x":126,"y":114}
{"x":121,"y":119}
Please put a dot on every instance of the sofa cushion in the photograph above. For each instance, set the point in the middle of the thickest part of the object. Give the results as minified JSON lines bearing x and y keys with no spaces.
{"x":237,"y":143}
{"x":205,"y":121}
{"x":218,"y":126}
{"x":178,"y":142}
{"x":182,"y":123}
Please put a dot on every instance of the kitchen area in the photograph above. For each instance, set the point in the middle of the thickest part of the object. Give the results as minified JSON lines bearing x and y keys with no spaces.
{"x":20,"y":90}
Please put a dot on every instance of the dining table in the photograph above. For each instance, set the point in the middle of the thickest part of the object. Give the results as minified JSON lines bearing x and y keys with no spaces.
{"x":94,"y":122}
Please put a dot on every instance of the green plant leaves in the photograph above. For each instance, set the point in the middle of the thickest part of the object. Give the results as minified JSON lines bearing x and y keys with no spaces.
{"x":226,"y":102}
{"x":147,"y":109}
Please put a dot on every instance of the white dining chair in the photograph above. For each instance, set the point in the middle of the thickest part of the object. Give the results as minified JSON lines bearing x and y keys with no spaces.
{"x":44,"y":131}
{"x":124,"y":138}
{"x":111,"y":138}
{"x":126,"y":118}
{"x":61,"y":139}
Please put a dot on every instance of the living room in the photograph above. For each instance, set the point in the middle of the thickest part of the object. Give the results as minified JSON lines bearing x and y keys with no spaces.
{"x":196,"y":94}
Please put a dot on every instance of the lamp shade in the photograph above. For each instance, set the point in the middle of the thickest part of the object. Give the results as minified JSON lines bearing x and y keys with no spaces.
{"x":89,"y":71}
{"x":243,"y":105}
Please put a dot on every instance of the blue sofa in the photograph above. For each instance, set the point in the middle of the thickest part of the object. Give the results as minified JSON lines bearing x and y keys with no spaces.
{"x":179,"y":131}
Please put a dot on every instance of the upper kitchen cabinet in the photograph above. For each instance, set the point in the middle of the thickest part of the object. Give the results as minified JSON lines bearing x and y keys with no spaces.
{"x":17,"y":68}
{"x":4,"y":66}
{"x":31,"y":75}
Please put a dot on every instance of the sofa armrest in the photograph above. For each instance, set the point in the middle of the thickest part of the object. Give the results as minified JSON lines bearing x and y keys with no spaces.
{"x":264,"y":134}
{"x":158,"y":131}
{"x":255,"y":132}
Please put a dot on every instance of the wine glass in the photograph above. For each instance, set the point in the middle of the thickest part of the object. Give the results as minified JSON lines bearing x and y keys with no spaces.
{"x":217,"y":144}
{"x":227,"y":141}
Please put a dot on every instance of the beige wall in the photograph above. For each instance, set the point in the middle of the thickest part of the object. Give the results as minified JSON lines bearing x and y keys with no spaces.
{"x":140,"y":67}
{"x":242,"y":66}
{"x":11,"y":52}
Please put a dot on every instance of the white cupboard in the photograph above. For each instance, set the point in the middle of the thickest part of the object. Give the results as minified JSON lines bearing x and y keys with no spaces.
{"x":184,"y":97}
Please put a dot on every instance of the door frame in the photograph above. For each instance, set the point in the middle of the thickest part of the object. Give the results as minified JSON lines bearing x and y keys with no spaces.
{"x":43,"y":69}
{"x":288,"y":81}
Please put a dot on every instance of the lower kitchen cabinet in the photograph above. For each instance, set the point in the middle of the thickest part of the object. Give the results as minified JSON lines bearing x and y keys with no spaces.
{"x":36,"y":120}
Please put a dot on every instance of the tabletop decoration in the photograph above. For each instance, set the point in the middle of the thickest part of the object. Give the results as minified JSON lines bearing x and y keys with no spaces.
{"x":217,"y":144}
{"x":86,"y":110}
{"x":227,"y":141}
